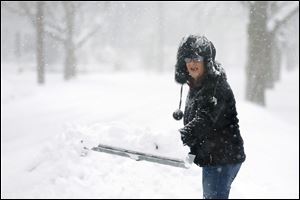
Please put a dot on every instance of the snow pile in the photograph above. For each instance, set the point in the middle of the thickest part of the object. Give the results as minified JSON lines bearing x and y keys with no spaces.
{"x":123,"y":135}
{"x":63,"y":173}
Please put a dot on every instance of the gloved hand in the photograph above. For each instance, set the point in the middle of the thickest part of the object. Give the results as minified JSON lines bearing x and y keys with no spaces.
{"x":187,"y":138}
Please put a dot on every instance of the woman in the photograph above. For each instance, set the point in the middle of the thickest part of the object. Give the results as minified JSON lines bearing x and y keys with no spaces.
{"x":211,"y":127}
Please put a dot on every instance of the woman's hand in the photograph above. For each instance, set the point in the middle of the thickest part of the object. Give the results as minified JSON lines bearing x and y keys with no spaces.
{"x":187,"y":138}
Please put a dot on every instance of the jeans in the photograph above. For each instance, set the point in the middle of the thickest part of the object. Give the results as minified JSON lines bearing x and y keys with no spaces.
{"x":217,"y":180}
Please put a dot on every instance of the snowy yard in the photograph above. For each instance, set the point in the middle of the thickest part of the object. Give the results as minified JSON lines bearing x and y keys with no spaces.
{"x":41,"y":129}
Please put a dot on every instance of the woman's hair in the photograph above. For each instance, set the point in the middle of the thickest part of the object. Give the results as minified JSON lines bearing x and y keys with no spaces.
{"x":192,"y":46}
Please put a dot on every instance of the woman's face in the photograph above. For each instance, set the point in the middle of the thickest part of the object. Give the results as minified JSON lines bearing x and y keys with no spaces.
{"x":195,"y":68}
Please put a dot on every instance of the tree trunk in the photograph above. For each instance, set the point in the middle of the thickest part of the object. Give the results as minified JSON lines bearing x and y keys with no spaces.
{"x":276,"y":59}
{"x":258,"y":67}
{"x":17,"y":51}
{"x":160,"y":49}
{"x":70,"y":61}
{"x":268,"y":44}
{"x":70,"y":58}
{"x":40,"y":42}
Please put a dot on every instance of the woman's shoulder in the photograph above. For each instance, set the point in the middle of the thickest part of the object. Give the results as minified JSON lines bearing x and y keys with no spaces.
{"x":223,"y":89}
{"x":217,"y":83}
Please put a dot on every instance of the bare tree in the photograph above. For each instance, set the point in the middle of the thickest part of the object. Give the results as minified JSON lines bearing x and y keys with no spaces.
{"x":277,"y":26}
{"x":63,"y":29}
{"x":291,"y":43}
{"x":34,"y":11}
{"x":160,"y":50}
{"x":64,"y":22}
{"x":263,"y":63}
{"x":40,"y":27}
{"x":17,"y":50}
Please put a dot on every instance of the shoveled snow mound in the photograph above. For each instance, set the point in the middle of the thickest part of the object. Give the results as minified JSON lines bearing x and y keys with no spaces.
{"x":99,"y":175}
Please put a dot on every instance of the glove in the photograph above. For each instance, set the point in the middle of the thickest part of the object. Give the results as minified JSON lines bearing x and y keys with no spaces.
{"x":187,"y":138}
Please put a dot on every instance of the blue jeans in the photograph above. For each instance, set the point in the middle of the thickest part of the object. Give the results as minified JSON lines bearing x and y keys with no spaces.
{"x":216,"y":180}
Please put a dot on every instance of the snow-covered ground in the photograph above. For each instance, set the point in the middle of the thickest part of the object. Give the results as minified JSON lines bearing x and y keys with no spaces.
{"x":42,"y":126}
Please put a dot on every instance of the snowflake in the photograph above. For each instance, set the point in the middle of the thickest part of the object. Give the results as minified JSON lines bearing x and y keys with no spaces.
{"x":214,"y":100}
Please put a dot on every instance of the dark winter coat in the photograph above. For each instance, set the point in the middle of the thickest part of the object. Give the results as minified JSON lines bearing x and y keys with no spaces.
{"x":211,"y":128}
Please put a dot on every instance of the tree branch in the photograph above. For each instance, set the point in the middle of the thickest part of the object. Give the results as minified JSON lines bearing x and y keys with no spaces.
{"x":247,"y":4}
{"x":88,"y":36}
{"x":21,"y":9}
{"x":28,"y":12}
{"x":55,"y":27}
{"x":12,"y":9}
{"x":285,"y":19}
{"x":55,"y":36}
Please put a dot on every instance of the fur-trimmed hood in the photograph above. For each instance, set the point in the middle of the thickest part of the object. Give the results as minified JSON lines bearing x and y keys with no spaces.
{"x":191,"y":46}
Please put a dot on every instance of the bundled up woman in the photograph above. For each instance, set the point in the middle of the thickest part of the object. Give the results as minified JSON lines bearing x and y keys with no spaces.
{"x":211,"y":128}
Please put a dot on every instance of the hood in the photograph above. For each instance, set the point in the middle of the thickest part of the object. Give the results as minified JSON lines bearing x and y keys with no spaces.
{"x":194,"y":45}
